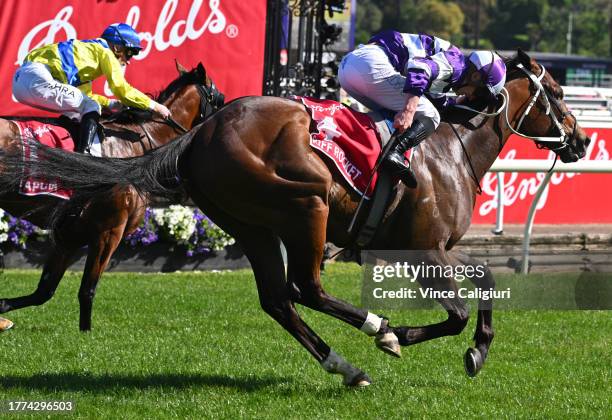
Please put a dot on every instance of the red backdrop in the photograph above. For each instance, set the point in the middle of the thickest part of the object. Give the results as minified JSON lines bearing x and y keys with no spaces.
{"x":571,"y":197}
{"x":227,"y":36}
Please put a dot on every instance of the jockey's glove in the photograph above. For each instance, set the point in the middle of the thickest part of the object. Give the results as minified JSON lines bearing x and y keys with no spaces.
{"x":114,"y":105}
{"x":160,"y":110}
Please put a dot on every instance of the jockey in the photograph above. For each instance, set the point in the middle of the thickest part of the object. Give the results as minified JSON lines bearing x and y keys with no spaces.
{"x":395,"y":71}
{"x":58,"y":78}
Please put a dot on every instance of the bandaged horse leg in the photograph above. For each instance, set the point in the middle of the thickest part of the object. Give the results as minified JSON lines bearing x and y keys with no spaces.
{"x":475,"y":357}
{"x":351,"y":376}
{"x":262,"y":248}
{"x":275,"y":300}
{"x":304,"y":245}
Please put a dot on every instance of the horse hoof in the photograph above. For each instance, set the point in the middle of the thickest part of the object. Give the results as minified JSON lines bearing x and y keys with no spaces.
{"x":389,"y":343}
{"x":5,"y":324}
{"x":473,"y":362}
{"x":360,"y":380}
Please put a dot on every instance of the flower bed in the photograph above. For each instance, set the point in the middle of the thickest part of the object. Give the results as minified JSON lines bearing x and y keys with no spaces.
{"x":180,"y":228}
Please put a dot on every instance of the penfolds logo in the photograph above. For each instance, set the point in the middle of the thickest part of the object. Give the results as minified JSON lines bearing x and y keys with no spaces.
{"x":519,"y":188}
{"x":170,"y":31}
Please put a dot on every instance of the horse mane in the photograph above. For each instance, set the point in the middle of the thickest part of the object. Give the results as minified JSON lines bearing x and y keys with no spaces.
{"x":137,"y":116}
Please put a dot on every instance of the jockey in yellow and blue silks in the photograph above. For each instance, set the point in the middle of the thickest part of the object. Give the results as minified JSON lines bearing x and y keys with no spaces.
{"x":58,"y":78}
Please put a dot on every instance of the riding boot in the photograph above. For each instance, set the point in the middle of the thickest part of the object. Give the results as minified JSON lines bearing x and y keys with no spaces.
{"x":87,"y":132}
{"x":394,"y":161}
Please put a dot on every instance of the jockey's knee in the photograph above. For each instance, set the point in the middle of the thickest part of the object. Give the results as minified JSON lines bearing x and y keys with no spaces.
{"x":88,"y":105}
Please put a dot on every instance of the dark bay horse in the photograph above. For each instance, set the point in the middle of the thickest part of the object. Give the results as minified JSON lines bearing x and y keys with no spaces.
{"x":104,"y":221}
{"x":251,"y":169}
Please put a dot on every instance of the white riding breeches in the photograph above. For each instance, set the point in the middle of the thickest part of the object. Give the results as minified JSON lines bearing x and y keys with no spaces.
{"x":367,"y":75}
{"x":34,"y":85}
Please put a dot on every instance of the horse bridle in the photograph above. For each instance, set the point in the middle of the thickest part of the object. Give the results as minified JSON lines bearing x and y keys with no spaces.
{"x":564,"y":139}
{"x":210,"y":101}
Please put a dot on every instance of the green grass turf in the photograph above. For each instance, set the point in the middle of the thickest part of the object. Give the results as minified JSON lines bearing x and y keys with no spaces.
{"x":197,"y":345}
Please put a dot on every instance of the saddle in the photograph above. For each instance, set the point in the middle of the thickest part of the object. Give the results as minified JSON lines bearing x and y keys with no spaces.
{"x":354,"y":142}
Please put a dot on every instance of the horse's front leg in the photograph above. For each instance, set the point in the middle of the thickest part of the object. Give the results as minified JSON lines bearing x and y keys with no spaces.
{"x":483,"y":336}
{"x":99,"y":253}
{"x":456,"y":308}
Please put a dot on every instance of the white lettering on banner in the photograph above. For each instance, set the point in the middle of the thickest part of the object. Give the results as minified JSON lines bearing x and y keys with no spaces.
{"x":515,"y":190}
{"x":181,"y":30}
{"x":215,"y":23}
{"x":178,"y":33}
{"x":59,"y":22}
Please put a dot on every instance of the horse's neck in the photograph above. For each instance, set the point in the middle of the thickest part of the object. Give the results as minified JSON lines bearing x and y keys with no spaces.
{"x":486,"y":143}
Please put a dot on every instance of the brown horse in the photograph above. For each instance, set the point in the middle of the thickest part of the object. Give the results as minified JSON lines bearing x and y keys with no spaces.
{"x":104,"y":221}
{"x":251,"y":169}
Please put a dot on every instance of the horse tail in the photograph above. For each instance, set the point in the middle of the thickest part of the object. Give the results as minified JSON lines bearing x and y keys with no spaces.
{"x":154,"y":173}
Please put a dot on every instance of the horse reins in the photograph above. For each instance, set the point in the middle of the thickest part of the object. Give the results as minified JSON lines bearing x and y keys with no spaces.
{"x":209,"y":97}
{"x":548,"y":100}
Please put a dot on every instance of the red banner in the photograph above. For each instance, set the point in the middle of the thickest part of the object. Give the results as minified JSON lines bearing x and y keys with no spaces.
{"x":570,"y":198}
{"x":227,"y":36}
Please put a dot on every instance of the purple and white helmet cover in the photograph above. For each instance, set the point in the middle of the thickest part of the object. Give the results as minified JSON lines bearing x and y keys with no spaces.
{"x":492,"y":68}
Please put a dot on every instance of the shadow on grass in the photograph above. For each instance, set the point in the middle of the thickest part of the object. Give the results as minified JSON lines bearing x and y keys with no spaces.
{"x":102,"y":383}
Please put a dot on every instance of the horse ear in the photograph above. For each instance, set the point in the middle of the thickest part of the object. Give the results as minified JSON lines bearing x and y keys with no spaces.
{"x":179,"y":67}
{"x":201,"y":70}
{"x":524,"y":58}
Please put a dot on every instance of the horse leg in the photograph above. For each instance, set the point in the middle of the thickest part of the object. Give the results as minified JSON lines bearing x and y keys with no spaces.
{"x":458,"y":315}
{"x":262,"y":248}
{"x":53,"y":271}
{"x":263,"y":251}
{"x":305,"y":242}
{"x":99,"y":253}
{"x":483,"y":336}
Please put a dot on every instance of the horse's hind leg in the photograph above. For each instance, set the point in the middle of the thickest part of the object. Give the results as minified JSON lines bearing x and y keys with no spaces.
{"x":305,"y":241}
{"x":53,"y":271}
{"x":483,"y":336}
{"x":262,"y":248}
{"x":263,"y":251}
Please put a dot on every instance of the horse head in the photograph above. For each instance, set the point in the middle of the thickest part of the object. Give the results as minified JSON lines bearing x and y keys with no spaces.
{"x":193,"y":85}
{"x":542,"y":115}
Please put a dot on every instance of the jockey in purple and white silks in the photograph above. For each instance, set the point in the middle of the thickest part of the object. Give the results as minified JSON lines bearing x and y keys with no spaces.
{"x":395,"y":71}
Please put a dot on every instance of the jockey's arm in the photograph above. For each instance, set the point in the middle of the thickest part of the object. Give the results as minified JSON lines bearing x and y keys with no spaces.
{"x":127,"y":94}
{"x":86,"y":88}
{"x":426,"y":75}
{"x":403,"y":119}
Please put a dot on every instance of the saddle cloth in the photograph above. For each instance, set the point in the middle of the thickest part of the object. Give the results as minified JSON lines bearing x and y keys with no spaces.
{"x":352,"y":140}
{"x":49,"y":135}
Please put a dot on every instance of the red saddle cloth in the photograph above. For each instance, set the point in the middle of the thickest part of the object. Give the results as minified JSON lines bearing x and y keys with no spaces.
{"x":49,"y":135}
{"x":348,"y":138}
